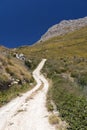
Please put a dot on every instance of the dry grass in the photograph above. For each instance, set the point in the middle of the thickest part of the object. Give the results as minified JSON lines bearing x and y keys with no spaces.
{"x":53,"y":119}
{"x":59,"y":124}
{"x":12,"y":69}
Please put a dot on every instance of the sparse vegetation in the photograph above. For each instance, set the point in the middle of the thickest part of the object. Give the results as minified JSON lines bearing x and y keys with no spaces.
{"x":15,"y":77}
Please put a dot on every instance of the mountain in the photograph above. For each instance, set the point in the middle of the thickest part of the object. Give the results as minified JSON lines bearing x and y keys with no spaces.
{"x":64,"y":27}
{"x":66,"y":69}
{"x":65,"y":47}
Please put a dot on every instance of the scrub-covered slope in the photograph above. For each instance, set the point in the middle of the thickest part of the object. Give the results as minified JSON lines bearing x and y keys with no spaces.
{"x":14,"y":75}
{"x":66,"y":67}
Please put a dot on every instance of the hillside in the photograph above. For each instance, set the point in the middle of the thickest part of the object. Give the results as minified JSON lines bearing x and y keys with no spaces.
{"x":14,"y":75}
{"x":68,"y":45}
{"x":66,"y":67}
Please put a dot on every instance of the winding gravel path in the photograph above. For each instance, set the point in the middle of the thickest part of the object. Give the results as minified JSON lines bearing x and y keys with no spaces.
{"x":28,"y":112}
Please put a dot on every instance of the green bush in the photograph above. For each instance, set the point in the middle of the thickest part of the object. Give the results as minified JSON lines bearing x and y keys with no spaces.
{"x":28,"y":64}
{"x":83,"y":80}
{"x":68,"y":97}
{"x":72,"y":106}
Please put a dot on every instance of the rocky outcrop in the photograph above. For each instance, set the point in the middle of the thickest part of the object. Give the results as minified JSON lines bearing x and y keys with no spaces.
{"x":19,"y":56}
{"x":64,"y":27}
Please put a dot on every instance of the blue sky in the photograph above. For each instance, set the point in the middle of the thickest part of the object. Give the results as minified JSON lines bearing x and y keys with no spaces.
{"x":22,"y":22}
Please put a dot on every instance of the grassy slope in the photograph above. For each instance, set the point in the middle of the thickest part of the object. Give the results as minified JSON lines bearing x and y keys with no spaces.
{"x":11,"y":68}
{"x":67,"y":55}
{"x":68,"y":45}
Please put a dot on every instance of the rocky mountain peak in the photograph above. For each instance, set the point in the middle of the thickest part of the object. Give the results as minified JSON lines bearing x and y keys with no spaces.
{"x":64,"y":27}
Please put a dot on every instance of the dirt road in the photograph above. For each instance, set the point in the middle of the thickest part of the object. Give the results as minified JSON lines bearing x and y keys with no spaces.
{"x":28,"y":112}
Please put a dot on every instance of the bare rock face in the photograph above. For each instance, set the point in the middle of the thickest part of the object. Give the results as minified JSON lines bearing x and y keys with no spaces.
{"x":64,"y":27}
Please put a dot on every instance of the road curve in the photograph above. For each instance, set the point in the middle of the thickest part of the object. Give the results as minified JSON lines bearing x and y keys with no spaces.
{"x":28,"y":112}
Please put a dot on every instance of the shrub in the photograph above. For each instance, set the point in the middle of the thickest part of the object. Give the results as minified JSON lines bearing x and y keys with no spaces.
{"x":74,"y":74}
{"x":68,"y":97}
{"x":83,"y":80}
{"x":72,"y":106}
{"x":53,"y":119}
{"x":28,"y":64}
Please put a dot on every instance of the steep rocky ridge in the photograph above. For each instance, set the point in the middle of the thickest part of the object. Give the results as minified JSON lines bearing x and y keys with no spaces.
{"x":64,"y":27}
